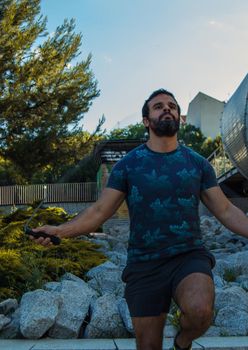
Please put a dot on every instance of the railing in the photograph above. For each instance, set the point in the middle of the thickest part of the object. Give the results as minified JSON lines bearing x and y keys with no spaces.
{"x":50,"y":193}
{"x":220,"y":161}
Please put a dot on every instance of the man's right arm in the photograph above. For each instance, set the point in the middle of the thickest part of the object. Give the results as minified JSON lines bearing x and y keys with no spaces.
{"x":88,"y":220}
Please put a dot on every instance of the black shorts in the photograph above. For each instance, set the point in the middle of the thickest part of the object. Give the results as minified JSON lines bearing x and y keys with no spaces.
{"x":150,"y":286}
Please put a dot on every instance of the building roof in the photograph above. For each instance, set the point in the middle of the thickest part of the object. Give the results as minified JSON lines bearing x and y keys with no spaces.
{"x":201,"y":95}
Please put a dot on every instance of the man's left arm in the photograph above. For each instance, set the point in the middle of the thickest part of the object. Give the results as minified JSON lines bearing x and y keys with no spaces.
{"x":227,"y":213}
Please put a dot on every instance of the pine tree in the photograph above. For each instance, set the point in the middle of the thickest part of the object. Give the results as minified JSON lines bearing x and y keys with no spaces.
{"x":45,"y":92}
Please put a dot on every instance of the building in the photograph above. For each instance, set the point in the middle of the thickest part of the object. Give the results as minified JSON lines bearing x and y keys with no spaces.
{"x":205,"y":112}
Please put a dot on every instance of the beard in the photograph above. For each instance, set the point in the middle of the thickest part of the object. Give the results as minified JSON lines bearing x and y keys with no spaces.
{"x":164,"y":127}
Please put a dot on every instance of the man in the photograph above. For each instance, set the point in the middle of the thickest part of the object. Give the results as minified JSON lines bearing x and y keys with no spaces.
{"x":162,"y":183}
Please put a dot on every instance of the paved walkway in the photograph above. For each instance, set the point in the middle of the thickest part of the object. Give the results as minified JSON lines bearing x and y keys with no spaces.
{"x":208,"y":343}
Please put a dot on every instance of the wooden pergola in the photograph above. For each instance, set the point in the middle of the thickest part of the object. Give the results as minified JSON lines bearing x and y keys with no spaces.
{"x":111,"y":151}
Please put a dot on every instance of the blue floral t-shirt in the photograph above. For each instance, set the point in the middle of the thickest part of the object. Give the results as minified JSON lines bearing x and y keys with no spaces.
{"x":162,"y":194}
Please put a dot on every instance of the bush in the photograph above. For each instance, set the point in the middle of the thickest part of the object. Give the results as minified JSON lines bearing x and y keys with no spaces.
{"x":174,"y":315}
{"x":230,"y":275}
{"x":25,"y":265}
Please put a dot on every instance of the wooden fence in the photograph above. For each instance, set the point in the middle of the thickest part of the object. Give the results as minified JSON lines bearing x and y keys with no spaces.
{"x":50,"y":193}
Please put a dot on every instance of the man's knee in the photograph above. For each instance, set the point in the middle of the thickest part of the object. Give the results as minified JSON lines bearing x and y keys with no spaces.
{"x":201,"y":314}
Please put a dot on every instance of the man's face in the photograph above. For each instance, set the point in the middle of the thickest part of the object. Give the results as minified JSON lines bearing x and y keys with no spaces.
{"x":163,"y":118}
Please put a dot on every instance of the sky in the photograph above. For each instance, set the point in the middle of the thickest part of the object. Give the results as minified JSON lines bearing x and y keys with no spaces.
{"x":138,"y":46}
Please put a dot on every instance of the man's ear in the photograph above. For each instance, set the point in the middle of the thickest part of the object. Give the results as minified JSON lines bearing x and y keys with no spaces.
{"x":146,"y":122}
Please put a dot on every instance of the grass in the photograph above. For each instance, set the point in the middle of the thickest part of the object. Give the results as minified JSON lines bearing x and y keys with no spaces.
{"x":230,"y":275}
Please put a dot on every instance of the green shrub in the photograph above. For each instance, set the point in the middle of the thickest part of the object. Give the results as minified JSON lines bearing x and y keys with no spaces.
{"x":18,"y":215}
{"x":25,"y":265}
{"x":6,"y":293}
{"x":230,"y":275}
{"x":174,"y":315}
{"x":11,"y":268}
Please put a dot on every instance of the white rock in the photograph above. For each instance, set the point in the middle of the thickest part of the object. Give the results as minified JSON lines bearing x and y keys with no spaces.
{"x":8,"y":306}
{"x":105,"y":320}
{"x":232,"y":321}
{"x":76,"y":298}
{"x":39,"y":310}
{"x":4,"y":321}
{"x":231,"y":297}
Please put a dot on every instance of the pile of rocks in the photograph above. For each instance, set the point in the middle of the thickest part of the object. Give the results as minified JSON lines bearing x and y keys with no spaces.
{"x":73,"y":308}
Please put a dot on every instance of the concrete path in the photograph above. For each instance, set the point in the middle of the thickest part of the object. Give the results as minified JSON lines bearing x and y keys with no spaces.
{"x":208,"y":343}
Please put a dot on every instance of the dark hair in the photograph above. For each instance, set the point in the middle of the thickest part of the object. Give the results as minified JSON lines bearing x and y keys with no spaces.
{"x":145,"y":108}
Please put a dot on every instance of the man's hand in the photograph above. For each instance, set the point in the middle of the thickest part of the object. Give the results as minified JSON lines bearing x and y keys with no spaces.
{"x":49,"y":230}
{"x":87,"y":221}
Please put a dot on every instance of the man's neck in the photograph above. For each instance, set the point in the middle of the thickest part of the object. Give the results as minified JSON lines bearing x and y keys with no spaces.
{"x":162,"y":144}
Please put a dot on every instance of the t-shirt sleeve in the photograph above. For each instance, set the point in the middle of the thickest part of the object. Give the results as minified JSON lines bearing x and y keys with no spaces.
{"x":208,"y":176}
{"x":118,"y":177}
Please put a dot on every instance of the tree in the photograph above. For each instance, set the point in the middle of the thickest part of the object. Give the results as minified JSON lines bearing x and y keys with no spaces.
{"x":75,"y":165}
{"x":188,"y":134}
{"x":43,"y":96}
{"x":210,"y":145}
{"x":136,"y":131}
{"x":8,"y":173}
{"x":193,"y":137}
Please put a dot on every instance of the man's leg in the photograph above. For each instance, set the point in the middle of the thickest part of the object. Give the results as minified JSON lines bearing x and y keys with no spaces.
{"x":195,"y":297}
{"x":149,"y":331}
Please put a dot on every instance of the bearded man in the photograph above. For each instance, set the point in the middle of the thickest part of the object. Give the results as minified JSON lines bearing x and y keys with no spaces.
{"x":163,"y":183}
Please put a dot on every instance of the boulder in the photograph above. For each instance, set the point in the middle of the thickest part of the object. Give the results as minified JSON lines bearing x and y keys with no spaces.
{"x":108,"y":281}
{"x":218,"y":281}
{"x":236,"y":263}
{"x":209,"y":225}
{"x":75,"y":301}
{"x":233,"y":321}
{"x":120,"y":232}
{"x":4,"y":321}
{"x":170,"y":331}
{"x":8,"y":306}
{"x":121,"y":248}
{"x":118,"y":259}
{"x":234,"y":297}
{"x":125,"y":315}
{"x":39,"y":310}
{"x":222,"y":265}
{"x":12,"y":329}
{"x":70,"y":277}
{"x":105,"y":320}
{"x":242,"y":278}
{"x":104,"y":245}
{"x":213,"y":331}
{"x":239,"y":262}
{"x":52,"y":286}
{"x":244,"y":285}
{"x":101,"y":269}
